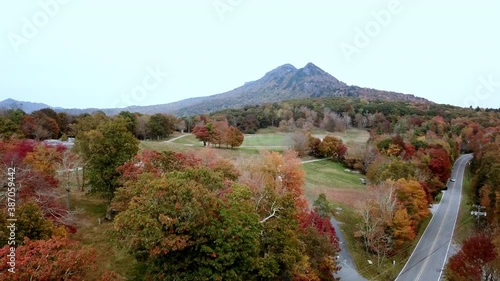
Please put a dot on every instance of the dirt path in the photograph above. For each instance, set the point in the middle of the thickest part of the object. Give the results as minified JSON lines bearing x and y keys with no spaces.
{"x":176,"y":138}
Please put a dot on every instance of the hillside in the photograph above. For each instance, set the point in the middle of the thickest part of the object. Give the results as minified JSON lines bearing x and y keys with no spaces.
{"x":283,"y":83}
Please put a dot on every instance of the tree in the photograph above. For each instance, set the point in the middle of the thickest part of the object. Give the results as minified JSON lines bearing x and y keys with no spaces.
{"x":32,"y":224}
{"x":471,"y":261}
{"x":161,"y":125}
{"x":321,"y":244}
{"x":68,"y":172}
{"x":314,"y":144}
{"x":322,"y":206}
{"x":184,"y":229}
{"x":53,"y":259}
{"x":377,"y":214}
{"x":180,"y":125}
{"x":440,"y":163}
{"x":396,"y":170}
{"x":300,"y":142}
{"x":201,"y":133}
{"x":411,"y":194}
{"x":130,"y":118}
{"x":105,"y":149}
{"x":39,"y":125}
{"x":234,"y":137}
{"x":332,"y":147}
{"x":401,"y":228}
{"x":218,"y":132}
{"x":141,"y":130}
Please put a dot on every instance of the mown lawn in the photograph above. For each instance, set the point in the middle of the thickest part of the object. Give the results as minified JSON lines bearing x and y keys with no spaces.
{"x":330,"y":173}
{"x":276,"y":139}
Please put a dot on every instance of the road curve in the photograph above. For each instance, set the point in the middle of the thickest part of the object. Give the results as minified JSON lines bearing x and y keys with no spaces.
{"x":431,"y":253}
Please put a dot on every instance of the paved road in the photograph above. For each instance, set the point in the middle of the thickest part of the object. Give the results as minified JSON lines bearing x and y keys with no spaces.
{"x":348,"y":270}
{"x":431,"y":254}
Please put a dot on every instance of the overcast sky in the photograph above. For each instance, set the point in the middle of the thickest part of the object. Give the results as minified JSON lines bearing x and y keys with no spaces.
{"x":94,"y":53}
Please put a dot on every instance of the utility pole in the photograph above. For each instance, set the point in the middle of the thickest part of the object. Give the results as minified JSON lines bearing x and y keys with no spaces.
{"x":478,"y":213}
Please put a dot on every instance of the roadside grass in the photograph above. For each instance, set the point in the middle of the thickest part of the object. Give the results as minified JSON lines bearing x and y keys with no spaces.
{"x":91,"y":233}
{"x":438,"y":198}
{"x":465,"y":222}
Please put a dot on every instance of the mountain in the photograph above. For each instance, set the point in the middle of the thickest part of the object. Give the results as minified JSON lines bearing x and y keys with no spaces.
{"x":24,"y":105}
{"x":283,"y":83}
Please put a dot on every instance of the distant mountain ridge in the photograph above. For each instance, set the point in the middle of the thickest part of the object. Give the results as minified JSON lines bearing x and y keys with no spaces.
{"x":280,"y":84}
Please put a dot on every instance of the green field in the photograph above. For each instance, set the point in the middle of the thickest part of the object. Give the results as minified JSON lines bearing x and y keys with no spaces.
{"x":267,"y":140}
{"x":329,"y":173}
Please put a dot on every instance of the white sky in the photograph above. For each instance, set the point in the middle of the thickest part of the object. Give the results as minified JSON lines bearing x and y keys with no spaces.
{"x":94,"y":53}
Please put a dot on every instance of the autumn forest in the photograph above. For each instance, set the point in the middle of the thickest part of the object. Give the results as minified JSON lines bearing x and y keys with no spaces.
{"x":248,"y":193}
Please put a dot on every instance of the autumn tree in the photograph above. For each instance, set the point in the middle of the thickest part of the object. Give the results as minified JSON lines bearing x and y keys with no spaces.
{"x":411,"y":194}
{"x":54,"y":259}
{"x":218,"y":133}
{"x":276,"y":182}
{"x":300,"y":142}
{"x":333,"y":147}
{"x":188,"y":230}
{"x":41,"y":124}
{"x":32,"y":224}
{"x":234,"y":137}
{"x":201,"y":133}
{"x":471,"y":262}
{"x":36,"y":177}
{"x":321,"y":244}
{"x":402,"y":229}
{"x":440,"y":163}
{"x":105,"y":149}
{"x":314,"y":145}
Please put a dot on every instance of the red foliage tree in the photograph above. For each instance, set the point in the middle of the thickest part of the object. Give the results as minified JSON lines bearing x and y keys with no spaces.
{"x":440,"y":163}
{"x":321,"y":244}
{"x":470,"y":262}
{"x":54,"y":259}
{"x":201,"y":133}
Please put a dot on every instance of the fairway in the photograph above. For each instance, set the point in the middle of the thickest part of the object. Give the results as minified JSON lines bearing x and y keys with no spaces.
{"x":329,"y":173}
{"x":349,"y":137}
{"x":269,"y":140}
